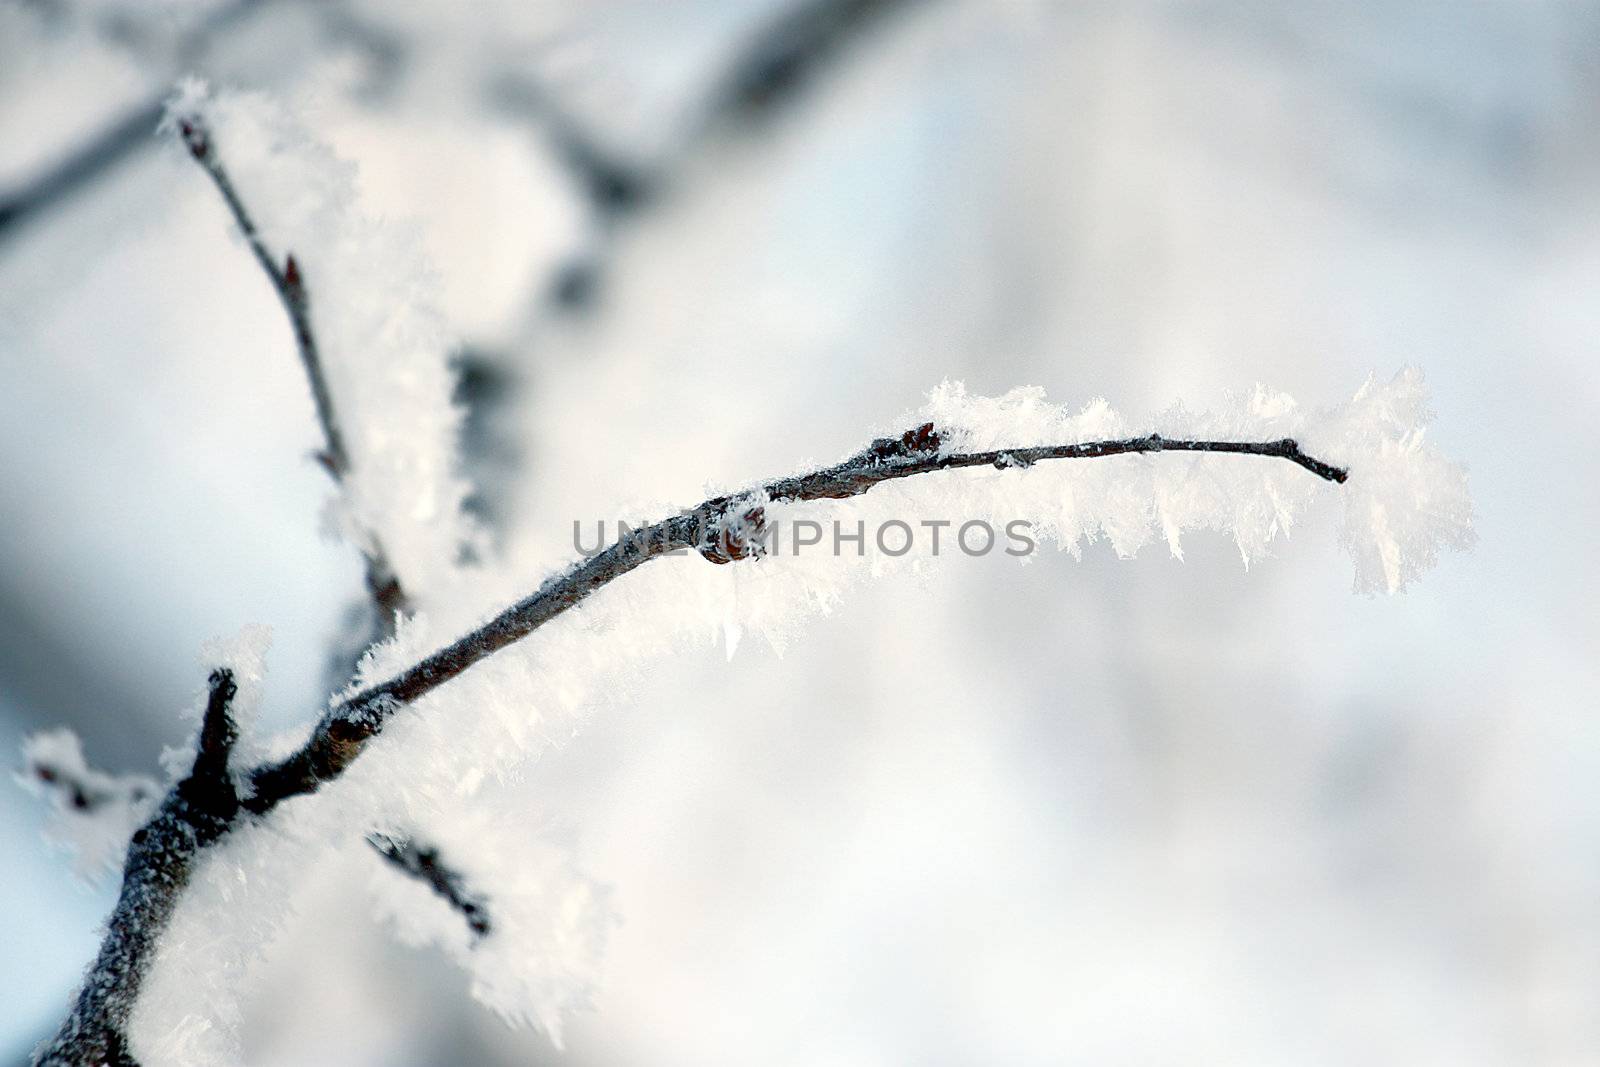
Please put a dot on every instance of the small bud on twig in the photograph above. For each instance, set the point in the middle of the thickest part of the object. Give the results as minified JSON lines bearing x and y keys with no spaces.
{"x":917,"y":441}
{"x":194,"y":138}
{"x":740,"y":538}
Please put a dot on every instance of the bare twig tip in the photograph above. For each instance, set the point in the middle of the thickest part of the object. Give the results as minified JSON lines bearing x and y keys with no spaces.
{"x":208,"y":781}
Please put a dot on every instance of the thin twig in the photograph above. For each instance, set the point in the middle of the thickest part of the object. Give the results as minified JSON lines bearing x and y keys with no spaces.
{"x":287,"y":282}
{"x":383,"y":584}
{"x":343,"y":732}
{"x":389,"y":599}
{"x":422,"y":862}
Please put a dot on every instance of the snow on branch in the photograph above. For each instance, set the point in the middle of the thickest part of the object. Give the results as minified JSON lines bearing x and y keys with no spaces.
{"x":1404,"y":500}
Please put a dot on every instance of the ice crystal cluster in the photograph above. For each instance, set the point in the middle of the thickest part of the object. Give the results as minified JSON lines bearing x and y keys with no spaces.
{"x":1402,"y":503}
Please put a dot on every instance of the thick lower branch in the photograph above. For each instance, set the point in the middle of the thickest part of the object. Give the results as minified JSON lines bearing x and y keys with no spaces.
{"x":195,"y":813}
{"x":154,"y":877}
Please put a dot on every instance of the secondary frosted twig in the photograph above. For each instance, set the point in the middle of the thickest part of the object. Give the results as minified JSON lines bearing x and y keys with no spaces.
{"x":388,"y":595}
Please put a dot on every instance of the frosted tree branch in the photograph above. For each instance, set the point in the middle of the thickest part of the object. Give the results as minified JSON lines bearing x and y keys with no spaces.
{"x":216,"y":796}
{"x":287,"y":282}
{"x":205,"y":805}
{"x":383,"y":584}
{"x":339,"y":738}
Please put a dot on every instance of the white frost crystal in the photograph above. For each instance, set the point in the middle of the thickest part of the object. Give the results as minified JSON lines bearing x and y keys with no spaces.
{"x":1403,"y":500}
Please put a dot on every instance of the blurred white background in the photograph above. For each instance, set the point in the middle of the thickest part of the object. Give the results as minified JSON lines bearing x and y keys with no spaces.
{"x":1108,"y":811}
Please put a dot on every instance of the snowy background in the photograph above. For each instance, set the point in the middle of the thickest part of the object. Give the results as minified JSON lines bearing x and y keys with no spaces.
{"x":1127,"y":811}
